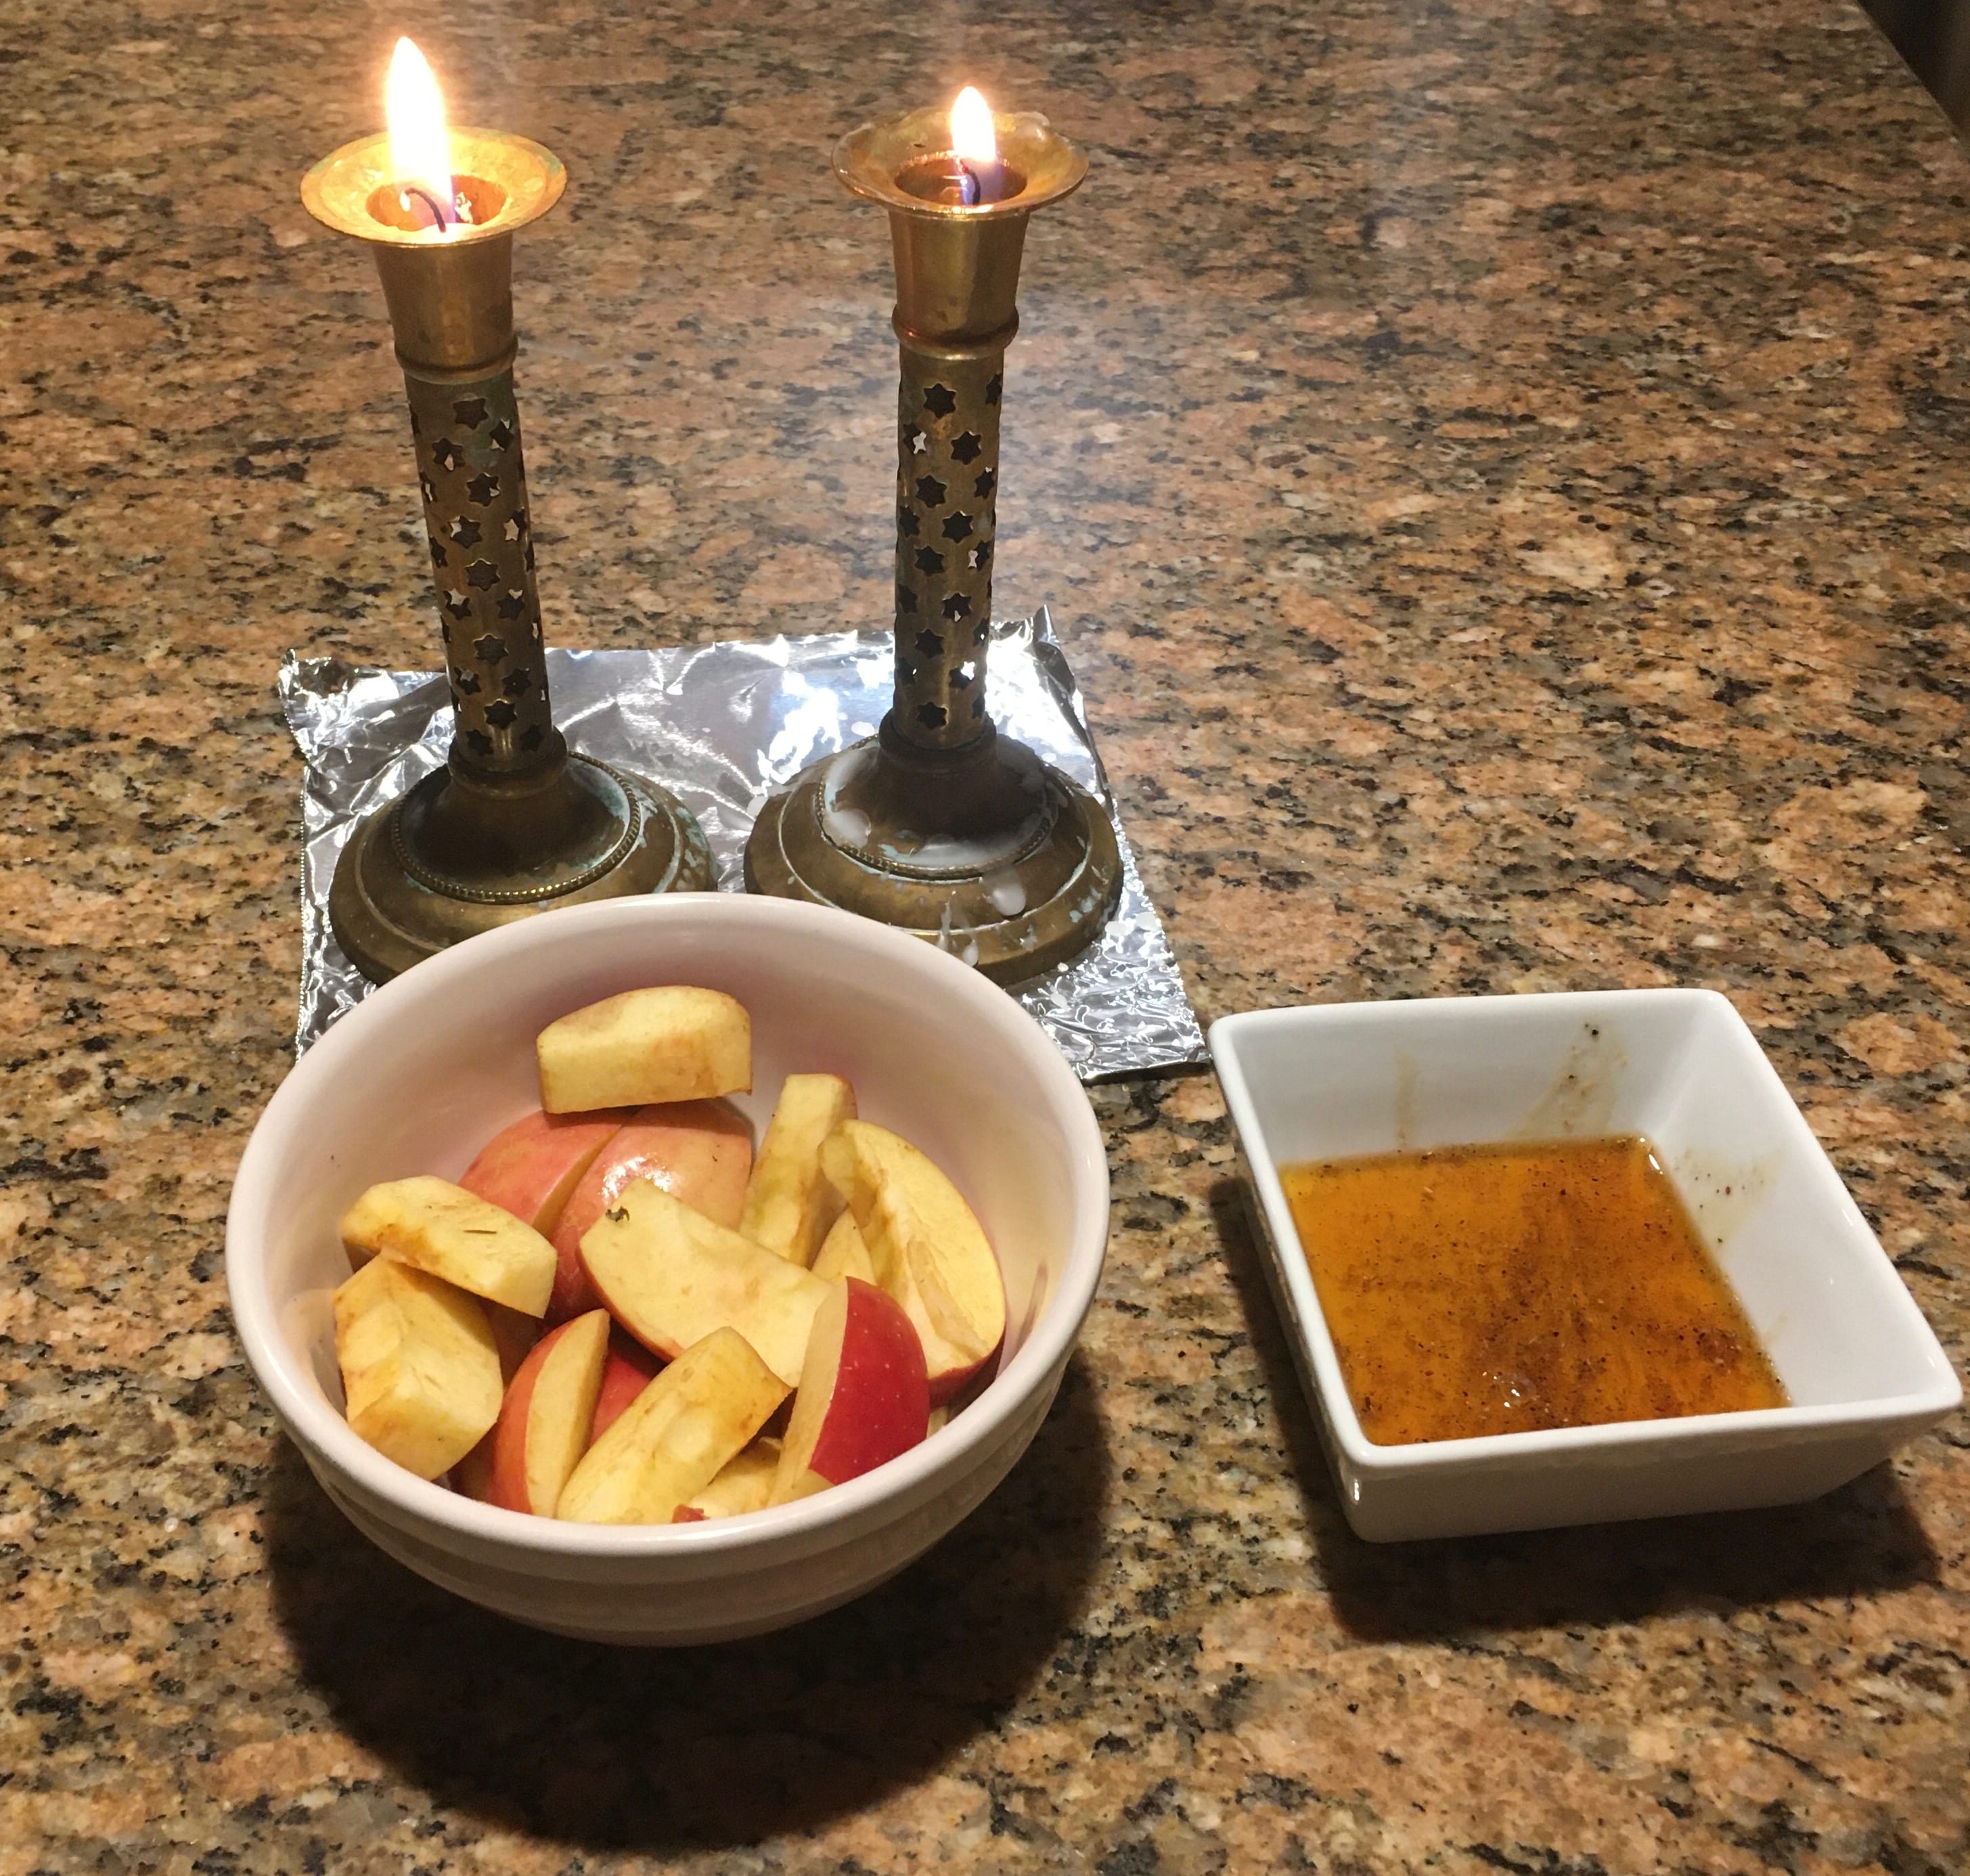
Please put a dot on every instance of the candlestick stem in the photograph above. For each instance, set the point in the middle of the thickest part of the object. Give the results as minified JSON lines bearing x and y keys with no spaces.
{"x":946,"y":517}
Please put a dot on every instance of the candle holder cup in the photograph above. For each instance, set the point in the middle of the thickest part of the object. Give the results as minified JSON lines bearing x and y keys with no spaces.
{"x":515,"y":821}
{"x":937,"y":824}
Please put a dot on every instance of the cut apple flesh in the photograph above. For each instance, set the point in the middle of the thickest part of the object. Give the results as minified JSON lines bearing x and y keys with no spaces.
{"x":674,"y":1043}
{"x":843,"y":1253}
{"x":745,"y":1483}
{"x":629,"y":1369}
{"x":419,"y":1372}
{"x":544,"y":1421}
{"x":676,"y":1437}
{"x":530,"y":1168}
{"x":927,"y":1249}
{"x":864,"y":1395}
{"x":444,"y":1230}
{"x":789,"y":1201}
{"x":699,"y":1151}
{"x":671,"y":1276}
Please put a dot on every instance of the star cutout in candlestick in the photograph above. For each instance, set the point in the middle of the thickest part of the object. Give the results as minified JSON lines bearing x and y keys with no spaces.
{"x":469,"y":411}
{"x":501,"y":436}
{"x":956,"y":527}
{"x":519,"y":682}
{"x":481,"y":489}
{"x":502,"y":715}
{"x":929,"y":560}
{"x":939,"y":400}
{"x":994,"y":385}
{"x":468,"y":682}
{"x":930,"y":644}
{"x":457,"y":604}
{"x":489,"y":650}
{"x":446,"y":453}
{"x":958,"y":606}
{"x":466,"y":533}
{"x":914,"y":440}
{"x":512,"y":603}
{"x":987,"y":481}
{"x":966,"y":447}
{"x":481,"y":574}
{"x":930,"y":492}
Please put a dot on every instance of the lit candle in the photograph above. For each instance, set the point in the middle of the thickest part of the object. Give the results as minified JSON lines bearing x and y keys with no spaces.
{"x":974,"y":142}
{"x":420,"y":144}
{"x":971,"y":173}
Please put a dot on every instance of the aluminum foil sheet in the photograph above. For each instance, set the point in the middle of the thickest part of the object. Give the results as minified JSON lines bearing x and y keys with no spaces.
{"x":724,"y":726}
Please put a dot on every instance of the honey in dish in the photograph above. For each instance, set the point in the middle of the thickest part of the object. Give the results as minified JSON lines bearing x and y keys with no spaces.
{"x":1502,"y":1289}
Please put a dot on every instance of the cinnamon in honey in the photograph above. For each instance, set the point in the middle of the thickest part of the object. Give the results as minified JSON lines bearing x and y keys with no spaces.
{"x":1505,"y":1288}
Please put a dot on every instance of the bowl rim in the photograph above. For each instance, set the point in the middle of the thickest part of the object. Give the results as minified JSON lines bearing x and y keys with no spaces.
{"x":312,"y":1421}
{"x":1306,"y":1322}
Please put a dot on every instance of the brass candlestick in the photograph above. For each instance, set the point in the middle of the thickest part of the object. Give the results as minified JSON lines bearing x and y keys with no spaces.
{"x":514,"y":822}
{"x":939,"y":824}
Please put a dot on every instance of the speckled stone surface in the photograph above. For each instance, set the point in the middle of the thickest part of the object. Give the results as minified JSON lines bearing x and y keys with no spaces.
{"x":1503,"y":466}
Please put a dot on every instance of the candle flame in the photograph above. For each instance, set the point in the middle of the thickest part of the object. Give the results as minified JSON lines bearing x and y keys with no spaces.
{"x":420,"y":144}
{"x":972,"y":139}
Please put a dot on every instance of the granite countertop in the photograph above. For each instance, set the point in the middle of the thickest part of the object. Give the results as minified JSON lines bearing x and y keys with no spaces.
{"x":1502,"y":470}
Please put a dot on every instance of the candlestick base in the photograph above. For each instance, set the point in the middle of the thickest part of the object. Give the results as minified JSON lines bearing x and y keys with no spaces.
{"x":462,"y":852}
{"x":983,"y":850}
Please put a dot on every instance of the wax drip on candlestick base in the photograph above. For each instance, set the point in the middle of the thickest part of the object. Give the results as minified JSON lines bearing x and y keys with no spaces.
{"x":937,"y":824}
{"x":514,"y":822}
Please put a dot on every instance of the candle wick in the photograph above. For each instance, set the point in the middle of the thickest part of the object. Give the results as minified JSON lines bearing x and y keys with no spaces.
{"x":968,"y":188}
{"x":409,"y":189}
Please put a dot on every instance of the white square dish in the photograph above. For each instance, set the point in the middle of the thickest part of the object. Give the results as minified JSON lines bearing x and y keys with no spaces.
{"x":1864,"y":1370}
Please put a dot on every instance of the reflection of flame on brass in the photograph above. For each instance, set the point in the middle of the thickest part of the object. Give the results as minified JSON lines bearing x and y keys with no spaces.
{"x":420,"y":144}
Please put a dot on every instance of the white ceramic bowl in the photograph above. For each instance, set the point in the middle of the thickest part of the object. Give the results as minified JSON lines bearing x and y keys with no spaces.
{"x":417,"y":1077}
{"x":1863,"y":1369}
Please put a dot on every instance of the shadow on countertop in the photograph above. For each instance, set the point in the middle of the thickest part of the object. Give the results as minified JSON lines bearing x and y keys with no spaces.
{"x":656,"y":1750}
{"x":1862,"y":1539}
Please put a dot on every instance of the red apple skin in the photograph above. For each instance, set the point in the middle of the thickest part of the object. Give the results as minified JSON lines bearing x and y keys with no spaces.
{"x":506,"y":1483}
{"x":629,"y":1369}
{"x":698,"y":1151}
{"x":880,"y":1405}
{"x":531,"y":1168}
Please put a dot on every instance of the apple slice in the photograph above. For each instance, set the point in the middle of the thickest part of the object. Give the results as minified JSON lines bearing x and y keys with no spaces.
{"x":676,"y":1436}
{"x":530,"y":1168}
{"x":790,"y":1203}
{"x":843,"y":1252}
{"x":544,"y":1423}
{"x":671,"y":1276}
{"x":744,"y":1484}
{"x":674,"y":1043}
{"x":929,"y":1252}
{"x":846,"y":1254}
{"x":699,"y":1151}
{"x":629,"y":1369}
{"x":864,"y":1393}
{"x":420,"y":1373}
{"x":446,"y":1231}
